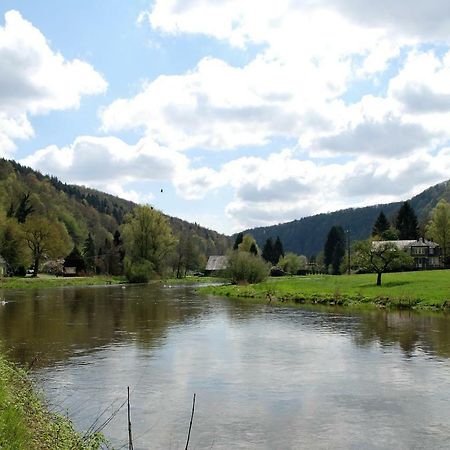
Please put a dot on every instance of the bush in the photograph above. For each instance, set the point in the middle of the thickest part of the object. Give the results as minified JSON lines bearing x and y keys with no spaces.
{"x":246,"y":267}
{"x":138,"y":271}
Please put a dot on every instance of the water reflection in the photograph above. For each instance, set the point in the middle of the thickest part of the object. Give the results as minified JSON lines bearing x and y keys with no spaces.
{"x":266,"y":377}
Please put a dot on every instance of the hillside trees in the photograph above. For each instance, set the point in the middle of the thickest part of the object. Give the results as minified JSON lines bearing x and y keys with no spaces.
{"x":334,"y":250}
{"x":438,"y":228}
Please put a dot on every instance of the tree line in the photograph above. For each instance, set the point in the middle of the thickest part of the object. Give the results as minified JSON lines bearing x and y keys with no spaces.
{"x":44,"y":222}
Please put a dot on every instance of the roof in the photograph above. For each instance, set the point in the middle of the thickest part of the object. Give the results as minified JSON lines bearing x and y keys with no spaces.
{"x":217,"y":263}
{"x":407,"y":243}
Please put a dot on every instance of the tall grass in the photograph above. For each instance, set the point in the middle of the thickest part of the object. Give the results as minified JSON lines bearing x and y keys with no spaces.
{"x":26,"y":423}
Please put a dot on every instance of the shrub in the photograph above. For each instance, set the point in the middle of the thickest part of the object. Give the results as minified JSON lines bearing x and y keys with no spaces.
{"x":246,"y":267}
{"x":138,"y":271}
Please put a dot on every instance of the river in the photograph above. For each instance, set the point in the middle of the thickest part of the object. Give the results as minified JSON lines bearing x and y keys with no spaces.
{"x":265,"y":376}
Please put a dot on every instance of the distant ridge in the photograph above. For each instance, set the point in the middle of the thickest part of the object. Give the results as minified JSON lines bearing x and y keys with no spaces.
{"x":307,"y":236}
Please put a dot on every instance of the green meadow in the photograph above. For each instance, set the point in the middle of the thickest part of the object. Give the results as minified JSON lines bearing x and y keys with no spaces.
{"x":418,"y":290}
{"x":49,"y":281}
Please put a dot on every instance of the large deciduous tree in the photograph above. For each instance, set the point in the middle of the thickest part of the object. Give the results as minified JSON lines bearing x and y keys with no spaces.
{"x":380,"y":257}
{"x":438,"y":228}
{"x":406,"y":223}
{"x":334,"y":250}
{"x":148,"y":238}
{"x":45,"y":238}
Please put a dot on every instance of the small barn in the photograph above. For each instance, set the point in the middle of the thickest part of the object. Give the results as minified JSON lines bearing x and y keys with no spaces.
{"x":216,"y":265}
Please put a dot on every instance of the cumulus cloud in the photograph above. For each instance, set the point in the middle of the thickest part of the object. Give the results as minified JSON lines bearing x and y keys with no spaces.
{"x":34,"y":79}
{"x":390,"y":137}
{"x":422,"y":86}
{"x":284,"y":187}
{"x":238,"y":22}
{"x":108,"y":162}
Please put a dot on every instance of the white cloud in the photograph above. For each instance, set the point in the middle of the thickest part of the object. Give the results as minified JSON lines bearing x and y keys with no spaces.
{"x":422,"y":86}
{"x":283,"y":187}
{"x":109,"y":163}
{"x":34,"y":79}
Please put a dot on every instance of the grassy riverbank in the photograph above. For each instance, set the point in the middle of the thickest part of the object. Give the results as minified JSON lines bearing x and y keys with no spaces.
{"x":26,"y":423}
{"x":48,"y":281}
{"x":418,"y":290}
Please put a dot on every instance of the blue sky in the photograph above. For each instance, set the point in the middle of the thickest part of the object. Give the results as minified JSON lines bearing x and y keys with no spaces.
{"x":243,"y":113}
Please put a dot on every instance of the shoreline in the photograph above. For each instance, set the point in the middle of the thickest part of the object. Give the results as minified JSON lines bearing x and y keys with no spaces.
{"x":427,"y":291}
{"x":26,"y":420}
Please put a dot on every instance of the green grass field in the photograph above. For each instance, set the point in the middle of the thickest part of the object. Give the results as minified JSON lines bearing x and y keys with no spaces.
{"x":48,"y":281}
{"x":420,"y":290}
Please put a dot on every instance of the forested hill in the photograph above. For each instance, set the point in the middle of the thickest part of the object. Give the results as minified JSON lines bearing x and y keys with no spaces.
{"x":83,"y":210}
{"x":307,"y":236}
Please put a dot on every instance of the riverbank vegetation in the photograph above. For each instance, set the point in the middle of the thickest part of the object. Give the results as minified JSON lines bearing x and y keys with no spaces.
{"x":418,"y":290}
{"x":25,"y":421}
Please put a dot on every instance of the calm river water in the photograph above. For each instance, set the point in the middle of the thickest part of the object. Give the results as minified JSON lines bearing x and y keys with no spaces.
{"x":265,"y":377}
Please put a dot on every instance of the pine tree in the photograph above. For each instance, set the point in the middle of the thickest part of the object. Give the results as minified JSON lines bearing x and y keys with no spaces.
{"x":381,"y":225}
{"x":278,"y":250}
{"x":406,"y":222}
{"x":268,"y":252}
{"x":89,"y":254}
{"x":239,"y":239}
{"x":334,"y":250}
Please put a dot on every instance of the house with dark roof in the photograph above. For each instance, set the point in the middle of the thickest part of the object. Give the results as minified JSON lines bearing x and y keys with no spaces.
{"x":426,"y":254}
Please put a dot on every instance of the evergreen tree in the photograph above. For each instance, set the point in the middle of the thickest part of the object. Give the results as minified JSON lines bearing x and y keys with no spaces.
{"x":239,"y":239}
{"x":334,"y":250}
{"x":254,"y":249}
{"x":278,"y":250}
{"x":381,"y":225}
{"x":406,"y":222}
{"x":89,"y":254}
{"x":268,"y":251}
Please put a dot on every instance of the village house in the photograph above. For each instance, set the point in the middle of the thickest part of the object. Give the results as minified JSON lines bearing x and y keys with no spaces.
{"x":216,"y":265}
{"x":426,"y":254}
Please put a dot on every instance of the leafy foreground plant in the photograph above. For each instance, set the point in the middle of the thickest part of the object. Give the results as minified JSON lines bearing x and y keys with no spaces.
{"x":26,"y":423}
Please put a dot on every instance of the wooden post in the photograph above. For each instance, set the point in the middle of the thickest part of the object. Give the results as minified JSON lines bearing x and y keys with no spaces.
{"x":130,"y":438}
{"x":190,"y":424}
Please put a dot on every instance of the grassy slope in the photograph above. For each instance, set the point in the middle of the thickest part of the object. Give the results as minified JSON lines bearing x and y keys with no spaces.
{"x":426,"y":289}
{"x":25,"y":422}
{"x":48,"y":281}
